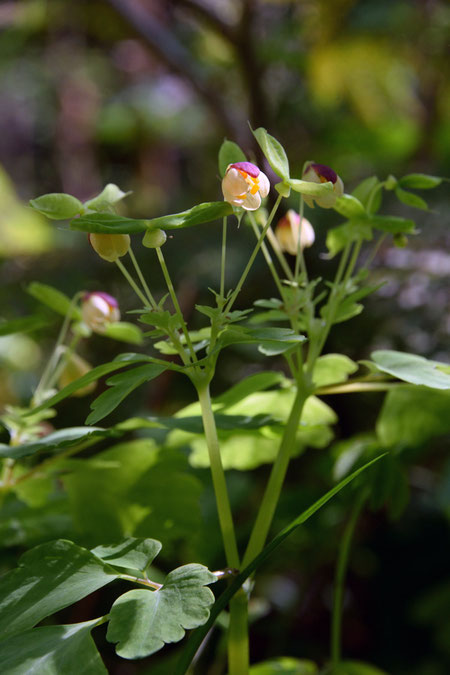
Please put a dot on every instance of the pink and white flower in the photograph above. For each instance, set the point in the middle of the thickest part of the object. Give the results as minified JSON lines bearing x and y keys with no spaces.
{"x":319,"y":173}
{"x":288,"y":230}
{"x":244,"y":185}
{"x":99,"y":309}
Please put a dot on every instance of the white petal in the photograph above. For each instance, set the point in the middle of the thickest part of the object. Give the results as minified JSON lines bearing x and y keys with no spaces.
{"x":251,"y":202}
{"x":233,"y":184}
{"x":264,"y":184}
{"x":338,"y":187}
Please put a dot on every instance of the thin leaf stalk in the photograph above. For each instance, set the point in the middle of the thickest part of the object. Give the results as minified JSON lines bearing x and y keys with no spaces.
{"x":267,"y":256}
{"x":140,"y":274}
{"x":341,"y":569}
{"x":238,"y":643}
{"x":300,"y":259}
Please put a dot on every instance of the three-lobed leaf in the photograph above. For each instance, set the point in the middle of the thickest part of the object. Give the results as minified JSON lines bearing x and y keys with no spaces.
{"x":143,"y":621}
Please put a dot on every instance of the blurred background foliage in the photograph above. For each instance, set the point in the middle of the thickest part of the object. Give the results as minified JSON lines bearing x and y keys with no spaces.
{"x":141,"y":93}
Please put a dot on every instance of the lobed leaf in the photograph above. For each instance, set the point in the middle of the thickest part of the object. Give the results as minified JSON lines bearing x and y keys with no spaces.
{"x":143,"y":621}
{"x":132,"y":553}
{"x":63,"y":438}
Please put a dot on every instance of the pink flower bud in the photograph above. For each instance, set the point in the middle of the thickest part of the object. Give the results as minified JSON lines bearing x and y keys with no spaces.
{"x":110,"y":246}
{"x":319,"y":173}
{"x":98,"y":310}
{"x":288,"y":230}
{"x":75,"y":368}
{"x":244,"y":185}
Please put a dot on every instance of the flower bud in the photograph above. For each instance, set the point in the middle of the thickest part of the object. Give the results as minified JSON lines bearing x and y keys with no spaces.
{"x":154,"y":238}
{"x":110,"y":246}
{"x":98,"y":310}
{"x":319,"y":173}
{"x":288,"y":230}
{"x":244,"y":185}
{"x":75,"y":368}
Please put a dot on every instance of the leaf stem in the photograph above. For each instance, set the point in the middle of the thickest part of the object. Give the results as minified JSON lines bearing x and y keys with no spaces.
{"x":150,"y":297}
{"x":237,"y":644}
{"x":267,"y":255}
{"x":300,"y":260}
{"x":132,"y":282}
{"x":279,"y":253}
{"x":223,"y":258}
{"x":341,"y":569}
{"x":218,"y":477}
{"x":176,"y":304}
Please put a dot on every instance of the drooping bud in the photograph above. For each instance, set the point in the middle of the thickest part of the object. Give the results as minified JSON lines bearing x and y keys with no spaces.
{"x":99,"y":309}
{"x":110,"y":246}
{"x":244,"y":185}
{"x":75,"y":368}
{"x":319,"y":173}
{"x":288,"y":231}
{"x":154,"y":238}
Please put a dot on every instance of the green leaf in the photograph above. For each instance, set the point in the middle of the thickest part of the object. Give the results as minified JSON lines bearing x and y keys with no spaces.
{"x":109,"y":196}
{"x":57,"y":206}
{"x":411,"y":416}
{"x":142,"y":621}
{"x":131,"y":553}
{"x":306,"y":187}
{"x":339,"y":237}
{"x":410,"y":199}
{"x":273,"y":151}
{"x":221,"y":602}
{"x":392,"y":224}
{"x":108,"y":223}
{"x":412,"y":368}
{"x":349,"y":206}
{"x":420,"y":181}
{"x":91,"y":376}
{"x":364,"y":192}
{"x":285,"y":665}
{"x":132,"y":489}
{"x":276,"y":340}
{"x":332,"y":369}
{"x":121,"y":386}
{"x":49,"y":577}
{"x":54,"y":299}
{"x":63,"y":438}
{"x":124,"y":331}
{"x":229,"y":153}
{"x":53,"y":650}
{"x":25,"y":324}
{"x":202,"y":213}
{"x":247,"y":386}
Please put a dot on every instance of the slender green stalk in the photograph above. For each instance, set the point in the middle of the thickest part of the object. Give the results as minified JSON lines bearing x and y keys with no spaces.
{"x":54,"y":358}
{"x":218,"y":477}
{"x":341,"y":569}
{"x":238,"y":647}
{"x":300,"y":260}
{"x":223,"y":259}
{"x":276,"y":480}
{"x":253,"y":255}
{"x":267,"y":256}
{"x":351,"y":387}
{"x":176,"y":304}
{"x":148,"y":293}
{"x":279,"y":253}
{"x":132,"y":282}
{"x":66,"y":354}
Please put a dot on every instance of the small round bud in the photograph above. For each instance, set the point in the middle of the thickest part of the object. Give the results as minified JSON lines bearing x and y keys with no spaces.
{"x":75,"y":368}
{"x":110,"y":246}
{"x":288,"y":231}
{"x":400,"y":240}
{"x":154,"y":238}
{"x":98,"y":310}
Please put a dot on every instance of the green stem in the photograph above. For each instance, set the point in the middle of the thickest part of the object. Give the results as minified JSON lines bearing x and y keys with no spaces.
{"x":150,"y":297}
{"x":176,"y":304}
{"x":341,"y":569}
{"x":223,"y":259}
{"x":276,"y":480}
{"x":267,"y":256}
{"x":132,"y":282}
{"x":66,"y":354}
{"x":300,"y":260}
{"x":218,"y":477}
{"x":253,"y":255}
{"x":238,"y":647}
{"x":351,"y":387}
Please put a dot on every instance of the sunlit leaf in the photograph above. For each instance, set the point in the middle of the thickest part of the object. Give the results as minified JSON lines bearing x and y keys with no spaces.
{"x":63,"y":438}
{"x":412,"y":368}
{"x":332,"y":369}
{"x":132,"y":553}
{"x":142,"y":621}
